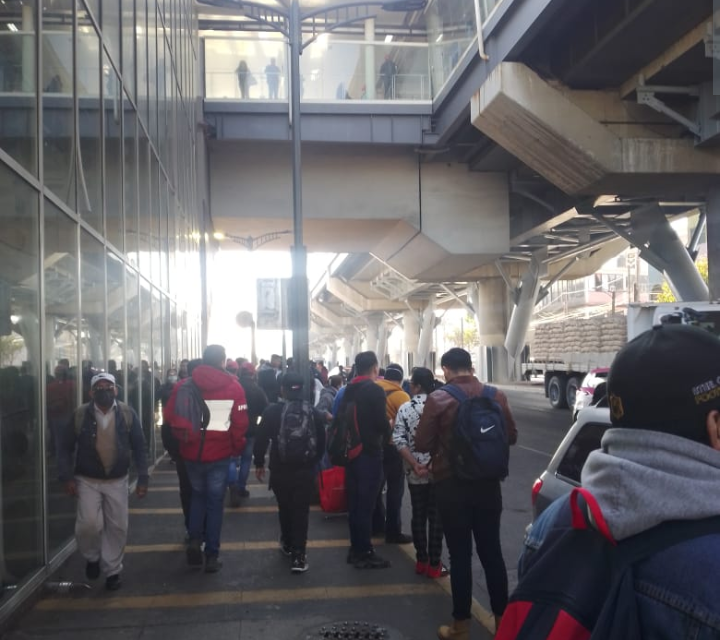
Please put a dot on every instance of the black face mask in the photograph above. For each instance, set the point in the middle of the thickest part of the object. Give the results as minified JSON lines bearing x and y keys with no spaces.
{"x":104,"y":398}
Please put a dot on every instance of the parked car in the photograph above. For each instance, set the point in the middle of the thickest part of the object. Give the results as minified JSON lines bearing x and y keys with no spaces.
{"x":586,"y":393}
{"x":563,"y":472}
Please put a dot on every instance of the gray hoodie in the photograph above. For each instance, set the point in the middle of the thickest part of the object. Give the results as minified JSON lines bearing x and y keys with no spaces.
{"x":641,"y":478}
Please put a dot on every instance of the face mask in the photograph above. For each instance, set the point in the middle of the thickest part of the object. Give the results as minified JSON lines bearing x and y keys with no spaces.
{"x":172,"y":379}
{"x":104,"y":398}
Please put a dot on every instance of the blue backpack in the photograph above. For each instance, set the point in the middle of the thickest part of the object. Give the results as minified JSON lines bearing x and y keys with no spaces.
{"x":479,"y":448}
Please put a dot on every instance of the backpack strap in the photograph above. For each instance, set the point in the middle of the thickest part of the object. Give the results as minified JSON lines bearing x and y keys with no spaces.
{"x":579,"y":515}
{"x":489,"y":392}
{"x":456,"y":392}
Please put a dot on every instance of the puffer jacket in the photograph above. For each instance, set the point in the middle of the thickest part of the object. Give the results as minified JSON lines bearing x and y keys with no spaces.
{"x":434,"y":433}
{"x":214,"y":384}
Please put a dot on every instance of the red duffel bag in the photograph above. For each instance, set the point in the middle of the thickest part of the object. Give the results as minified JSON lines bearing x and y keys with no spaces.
{"x":331,"y":483}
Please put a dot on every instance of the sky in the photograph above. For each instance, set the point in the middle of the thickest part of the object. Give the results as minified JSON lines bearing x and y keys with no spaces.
{"x":233,"y":285}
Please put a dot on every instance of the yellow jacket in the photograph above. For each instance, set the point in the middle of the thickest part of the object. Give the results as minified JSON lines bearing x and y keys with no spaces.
{"x":395,"y":398}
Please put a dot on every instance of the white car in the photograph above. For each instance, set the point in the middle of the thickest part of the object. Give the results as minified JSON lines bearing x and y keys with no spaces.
{"x":586,"y":392}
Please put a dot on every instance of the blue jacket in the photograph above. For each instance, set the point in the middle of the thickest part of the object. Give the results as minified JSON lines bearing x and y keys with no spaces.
{"x":82,"y":445}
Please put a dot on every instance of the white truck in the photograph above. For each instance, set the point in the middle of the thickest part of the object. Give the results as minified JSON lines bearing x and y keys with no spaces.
{"x":565,"y":351}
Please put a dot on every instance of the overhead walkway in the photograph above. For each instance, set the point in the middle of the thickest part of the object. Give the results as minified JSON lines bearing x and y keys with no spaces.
{"x":254,"y":596}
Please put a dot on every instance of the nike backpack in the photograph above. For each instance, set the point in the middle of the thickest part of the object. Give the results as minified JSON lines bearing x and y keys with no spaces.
{"x":479,"y":447}
{"x":297,"y":438}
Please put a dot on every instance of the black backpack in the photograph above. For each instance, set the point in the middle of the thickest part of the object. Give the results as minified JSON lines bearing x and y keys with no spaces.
{"x":343,"y":434}
{"x":479,"y":447}
{"x":580,"y":583}
{"x":297,"y":438}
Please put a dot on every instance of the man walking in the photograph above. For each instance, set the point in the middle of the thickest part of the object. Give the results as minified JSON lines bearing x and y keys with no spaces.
{"x":209,"y":418}
{"x":364,"y":402}
{"x":102,"y":435}
{"x":297,"y":432}
{"x":468,"y":508}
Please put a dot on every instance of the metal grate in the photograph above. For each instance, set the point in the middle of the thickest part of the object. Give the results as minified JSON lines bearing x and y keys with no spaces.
{"x":352,"y":630}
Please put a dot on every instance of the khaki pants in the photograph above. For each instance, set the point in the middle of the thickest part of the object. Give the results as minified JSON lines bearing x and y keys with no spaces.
{"x":102,"y":522}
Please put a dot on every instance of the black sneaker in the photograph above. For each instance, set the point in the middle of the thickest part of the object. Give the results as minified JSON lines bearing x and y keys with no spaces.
{"x":113,"y":583}
{"x":352,"y":556}
{"x":244,"y":493}
{"x":398,"y":538}
{"x":194,"y":554}
{"x":299,"y":563}
{"x":285,"y":548}
{"x":371,"y":560}
{"x":212,"y":564}
{"x":92,"y":570}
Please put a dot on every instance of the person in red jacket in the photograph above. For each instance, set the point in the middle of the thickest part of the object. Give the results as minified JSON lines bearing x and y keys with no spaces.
{"x":207,"y":441}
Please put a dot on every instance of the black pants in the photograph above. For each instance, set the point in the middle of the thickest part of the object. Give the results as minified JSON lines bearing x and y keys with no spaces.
{"x":185,"y":490}
{"x":472,"y":510}
{"x":387,"y":516}
{"x":426,"y":520}
{"x":293,"y":489}
{"x":363,"y":478}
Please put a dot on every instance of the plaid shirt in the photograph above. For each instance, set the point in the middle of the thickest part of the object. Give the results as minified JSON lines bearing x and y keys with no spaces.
{"x":406,"y":423}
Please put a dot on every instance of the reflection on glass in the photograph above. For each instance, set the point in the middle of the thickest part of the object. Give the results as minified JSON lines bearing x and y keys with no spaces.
{"x":92,"y":310}
{"x":112,"y":101}
{"x":131,"y":182}
{"x":116,"y":321}
{"x":159,"y":364}
{"x":110,"y":25}
{"x":61,"y":313}
{"x":57,"y":100}
{"x":21,"y":537}
{"x":18,"y":78}
{"x":142,"y":59}
{"x":128,"y":47}
{"x":132,"y":352}
{"x":89,"y":188}
{"x":144,"y":233}
{"x":153,"y":70}
{"x":142,"y":389}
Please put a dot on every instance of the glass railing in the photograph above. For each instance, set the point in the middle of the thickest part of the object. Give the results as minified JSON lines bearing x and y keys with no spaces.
{"x":240,"y":69}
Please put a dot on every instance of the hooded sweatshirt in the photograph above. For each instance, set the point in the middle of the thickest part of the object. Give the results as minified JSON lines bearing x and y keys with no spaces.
{"x":642,"y":478}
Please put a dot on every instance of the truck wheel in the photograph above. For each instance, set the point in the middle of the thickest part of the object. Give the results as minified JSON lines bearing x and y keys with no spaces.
{"x":571,"y":389}
{"x":556,"y":392}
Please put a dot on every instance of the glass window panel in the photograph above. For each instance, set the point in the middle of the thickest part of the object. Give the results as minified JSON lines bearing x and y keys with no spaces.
{"x":130,"y":178}
{"x":144,"y":205}
{"x":132,"y":352}
{"x":152,"y":71}
{"x":89,"y":188}
{"x":94,"y":6}
{"x":18,"y":113}
{"x":158,"y":364}
{"x":111,"y":28}
{"x":61,"y":365}
{"x":128,"y":40}
{"x":155,"y":205}
{"x":113,"y":154}
{"x":116,"y":320}
{"x":142,"y":61}
{"x":142,"y":393}
{"x":21,"y":498}
{"x":58,"y":110}
{"x":92,"y":309}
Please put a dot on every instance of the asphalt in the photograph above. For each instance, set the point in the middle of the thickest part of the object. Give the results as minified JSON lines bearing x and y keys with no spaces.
{"x":254,"y":596}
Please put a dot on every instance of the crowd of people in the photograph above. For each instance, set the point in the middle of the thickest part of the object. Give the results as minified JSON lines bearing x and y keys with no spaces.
{"x":450,"y":442}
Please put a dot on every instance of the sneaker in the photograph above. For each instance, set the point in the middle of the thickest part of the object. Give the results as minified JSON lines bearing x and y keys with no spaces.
{"x":398,"y":538}
{"x":212,"y":564}
{"x":285,"y":549}
{"x":421,"y":568}
{"x":113,"y":583}
{"x":371,"y":560}
{"x":299,"y":563}
{"x":437,"y":571}
{"x":352,"y":556}
{"x":234,"y":496}
{"x":92,"y":570}
{"x":194,"y":554}
{"x":244,"y":493}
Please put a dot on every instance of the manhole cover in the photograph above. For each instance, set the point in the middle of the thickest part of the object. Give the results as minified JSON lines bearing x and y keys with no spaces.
{"x":352,"y":630}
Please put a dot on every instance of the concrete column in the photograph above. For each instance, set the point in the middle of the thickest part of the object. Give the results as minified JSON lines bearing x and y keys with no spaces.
{"x":426,"y":335}
{"x":348,"y":343}
{"x":525,"y":305}
{"x":411,"y":325}
{"x":373,"y":333}
{"x":357,"y":346}
{"x":666,"y":252}
{"x":28,"y":49}
{"x":370,"y":71}
{"x":333,"y":354}
{"x":713,"y":242}
{"x":489,"y":298}
{"x":382,"y":341}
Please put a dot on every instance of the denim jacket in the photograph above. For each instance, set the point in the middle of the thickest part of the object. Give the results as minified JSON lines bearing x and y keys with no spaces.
{"x":129,"y":440}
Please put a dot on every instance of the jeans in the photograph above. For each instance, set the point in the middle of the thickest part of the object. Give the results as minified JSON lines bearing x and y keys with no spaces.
{"x":426,"y":519}
{"x":387,"y":519}
{"x":466,"y":514}
{"x":209,"y":482}
{"x":293,"y":490}
{"x":245,"y":464}
{"x":363,"y":479}
{"x":185,"y":490}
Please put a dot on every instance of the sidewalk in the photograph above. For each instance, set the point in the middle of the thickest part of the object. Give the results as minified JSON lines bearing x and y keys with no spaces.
{"x":253,"y":597}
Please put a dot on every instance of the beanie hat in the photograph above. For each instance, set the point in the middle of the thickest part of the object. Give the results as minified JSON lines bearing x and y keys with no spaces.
{"x":231,"y":365}
{"x":667,"y":379}
{"x":394,"y":373}
{"x":247,"y":368}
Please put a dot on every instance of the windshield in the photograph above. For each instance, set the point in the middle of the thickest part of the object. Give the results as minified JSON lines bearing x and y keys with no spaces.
{"x":709,"y":320}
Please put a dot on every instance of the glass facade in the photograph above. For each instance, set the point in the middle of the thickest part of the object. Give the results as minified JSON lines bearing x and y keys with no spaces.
{"x":100,"y":229}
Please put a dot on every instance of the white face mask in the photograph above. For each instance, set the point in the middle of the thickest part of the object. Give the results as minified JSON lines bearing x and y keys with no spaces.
{"x":172,"y":379}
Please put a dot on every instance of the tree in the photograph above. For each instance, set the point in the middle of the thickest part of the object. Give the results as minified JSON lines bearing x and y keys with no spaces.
{"x":466,"y":335}
{"x":666,"y":295}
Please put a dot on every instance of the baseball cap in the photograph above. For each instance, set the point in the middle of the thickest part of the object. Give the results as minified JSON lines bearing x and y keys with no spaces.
{"x":292,"y":382}
{"x":109,"y":377}
{"x":394,"y":373}
{"x":667,"y":379}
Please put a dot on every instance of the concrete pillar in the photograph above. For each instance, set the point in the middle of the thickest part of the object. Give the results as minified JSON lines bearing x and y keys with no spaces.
{"x":525,"y":305}
{"x":333,"y":354}
{"x":370,"y":72}
{"x":28,"y":49}
{"x":660,"y":246}
{"x":357,"y":346}
{"x":713,"y":242}
{"x":348,"y":344}
{"x":411,"y":325}
{"x":372,"y":338}
{"x":489,"y":298}
{"x":426,"y":335}
{"x":382,"y":341}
